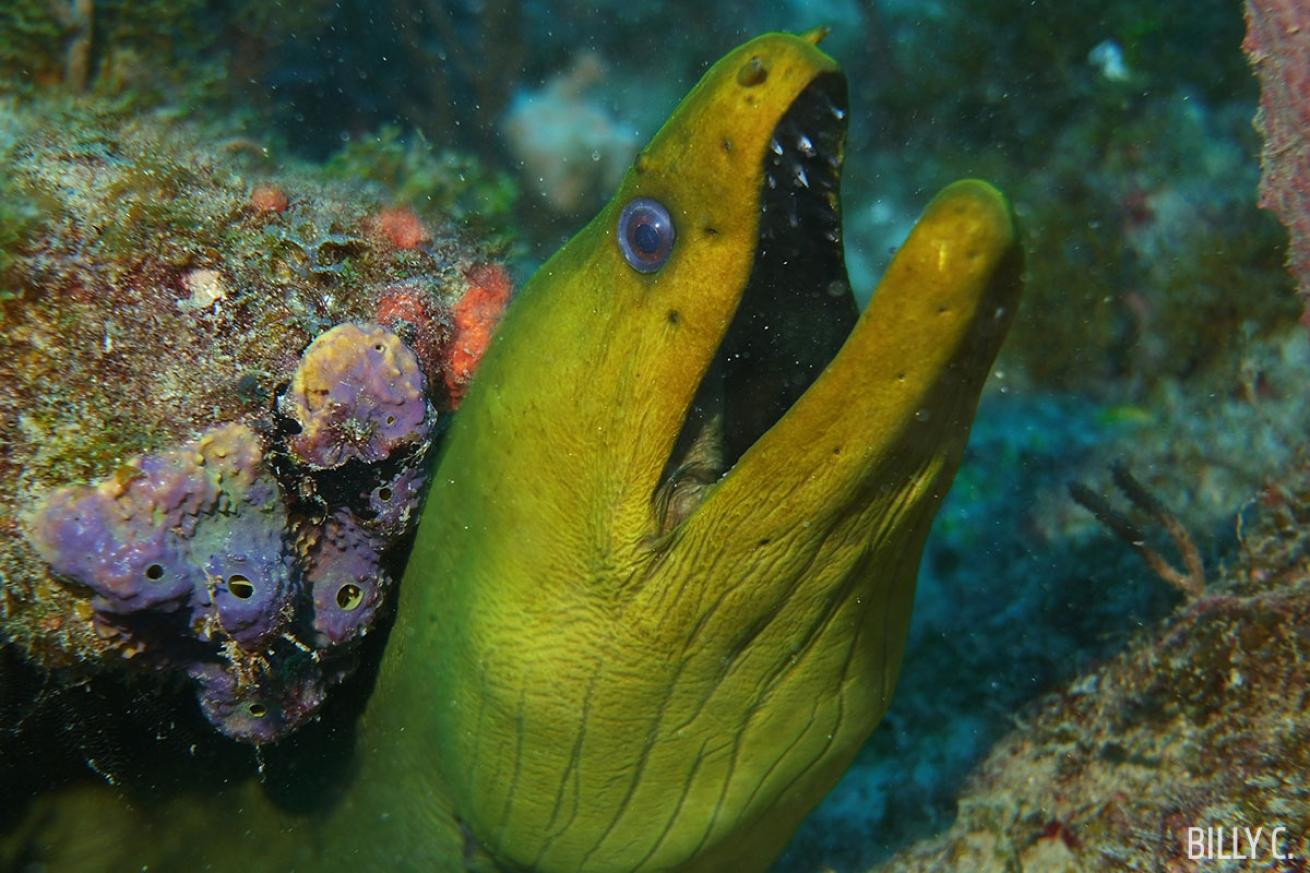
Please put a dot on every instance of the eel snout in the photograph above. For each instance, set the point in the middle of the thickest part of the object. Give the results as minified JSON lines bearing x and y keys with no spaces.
{"x":783,"y":600}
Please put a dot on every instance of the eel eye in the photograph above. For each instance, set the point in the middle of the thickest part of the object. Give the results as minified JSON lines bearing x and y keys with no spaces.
{"x":646,"y":234}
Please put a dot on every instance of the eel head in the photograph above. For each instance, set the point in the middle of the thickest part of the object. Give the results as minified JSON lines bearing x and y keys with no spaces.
{"x":662,"y":584}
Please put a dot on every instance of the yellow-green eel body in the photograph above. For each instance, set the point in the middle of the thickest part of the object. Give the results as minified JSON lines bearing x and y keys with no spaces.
{"x":610,"y":653}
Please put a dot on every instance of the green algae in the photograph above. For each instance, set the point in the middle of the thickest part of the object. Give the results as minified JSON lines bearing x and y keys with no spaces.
{"x":33,"y":45}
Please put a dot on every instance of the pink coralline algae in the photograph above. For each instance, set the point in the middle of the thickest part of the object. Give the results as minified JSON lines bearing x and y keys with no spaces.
{"x":1278,"y":45}
{"x":399,"y":227}
{"x":358,"y":394}
{"x":269,"y":198}
{"x":476,"y":316}
{"x":422,"y":321}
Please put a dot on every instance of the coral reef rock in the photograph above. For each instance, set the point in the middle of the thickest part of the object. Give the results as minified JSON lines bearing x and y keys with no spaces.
{"x":212,"y":444}
{"x":1201,"y":724}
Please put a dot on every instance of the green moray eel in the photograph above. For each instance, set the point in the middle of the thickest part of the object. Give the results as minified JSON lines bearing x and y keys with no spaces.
{"x":662,"y":582}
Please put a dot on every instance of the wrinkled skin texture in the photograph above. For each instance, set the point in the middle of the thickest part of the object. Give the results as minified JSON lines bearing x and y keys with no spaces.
{"x":568,"y":688}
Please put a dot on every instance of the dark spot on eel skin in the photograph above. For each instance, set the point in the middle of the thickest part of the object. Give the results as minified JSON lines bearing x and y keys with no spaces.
{"x":711,"y":231}
{"x":765,"y":541}
{"x":727,"y":144}
{"x":752,"y":73}
{"x":674,"y":317}
{"x":836,"y":450}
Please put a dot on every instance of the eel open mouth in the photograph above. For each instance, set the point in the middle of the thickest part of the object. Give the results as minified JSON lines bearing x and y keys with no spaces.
{"x":794,"y":314}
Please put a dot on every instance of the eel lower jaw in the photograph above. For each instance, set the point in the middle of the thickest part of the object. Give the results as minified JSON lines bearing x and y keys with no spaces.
{"x":794,"y":313}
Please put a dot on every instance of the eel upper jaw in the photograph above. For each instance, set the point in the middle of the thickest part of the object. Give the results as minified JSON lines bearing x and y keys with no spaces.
{"x":795,"y":310}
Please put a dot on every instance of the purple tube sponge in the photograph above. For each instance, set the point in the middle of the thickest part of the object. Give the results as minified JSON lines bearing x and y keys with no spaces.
{"x":258,"y":703}
{"x":250,"y":575}
{"x":178,"y":530}
{"x":345,"y":580}
{"x":109,"y":539}
{"x":394,"y":503}
{"x":358,"y":393}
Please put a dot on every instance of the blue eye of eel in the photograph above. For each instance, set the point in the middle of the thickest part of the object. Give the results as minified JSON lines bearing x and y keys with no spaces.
{"x":646,"y":234}
{"x":662,"y":581}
